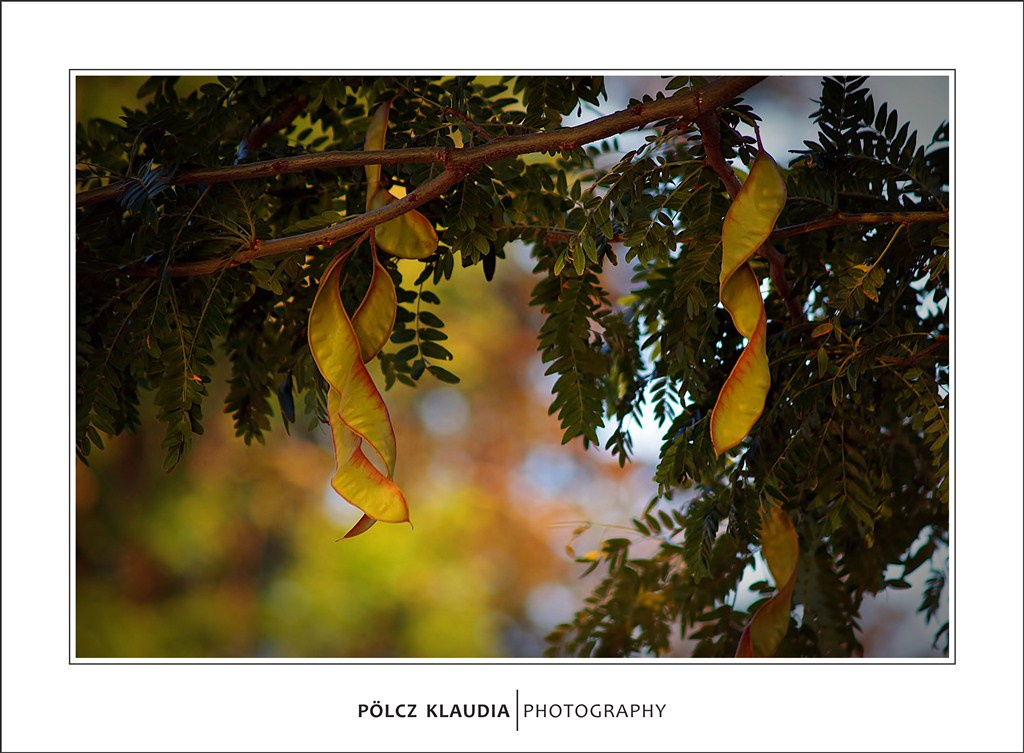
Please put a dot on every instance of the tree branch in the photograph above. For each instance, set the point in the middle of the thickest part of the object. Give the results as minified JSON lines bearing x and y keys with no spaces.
{"x":259,"y":135}
{"x":327,"y":236}
{"x":712,"y":139}
{"x":913,"y":358}
{"x":868,"y":218}
{"x":687,"y":106}
{"x":470,"y":123}
{"x":458,"y":163}
{"x":270,"y":168}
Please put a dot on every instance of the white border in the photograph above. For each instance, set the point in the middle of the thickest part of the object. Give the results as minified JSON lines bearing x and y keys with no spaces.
{"x":976,"y":704}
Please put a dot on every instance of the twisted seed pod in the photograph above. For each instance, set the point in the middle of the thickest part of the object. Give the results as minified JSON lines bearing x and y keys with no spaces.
{"x":411,"y":235}
{"x":781,"y":551}
{"x":342,"y":346}
{"x":356,"y":410}
{"x":749,"y":221}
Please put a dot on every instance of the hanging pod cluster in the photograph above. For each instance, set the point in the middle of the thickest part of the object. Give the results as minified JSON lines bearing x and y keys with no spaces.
{"x":749,"y":221}
{"x":343,"y":345}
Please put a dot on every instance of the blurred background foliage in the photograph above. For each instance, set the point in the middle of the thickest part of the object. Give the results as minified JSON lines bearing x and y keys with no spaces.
{"x":235,"y":554}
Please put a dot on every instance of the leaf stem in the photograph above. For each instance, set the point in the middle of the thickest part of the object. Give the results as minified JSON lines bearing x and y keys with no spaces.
{"x":886,"y":249}
{"x":868,"y":218}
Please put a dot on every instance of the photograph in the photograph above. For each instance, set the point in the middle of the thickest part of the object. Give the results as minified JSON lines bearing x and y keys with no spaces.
{"x":512,"y":366}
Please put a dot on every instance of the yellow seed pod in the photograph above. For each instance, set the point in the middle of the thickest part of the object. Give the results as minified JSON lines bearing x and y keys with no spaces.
{"x":781,"y":551}
{"x":748,"y":223}
{"x":356,"y":411}
{"x":410,"y":236}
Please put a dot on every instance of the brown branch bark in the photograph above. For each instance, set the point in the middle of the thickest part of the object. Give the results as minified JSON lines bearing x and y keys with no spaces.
{"x":458,"y":163}
{"x":712,"y":139}
{"x":259,"y":135}
{"x":867,"y":218}
{"x":270,"y":168}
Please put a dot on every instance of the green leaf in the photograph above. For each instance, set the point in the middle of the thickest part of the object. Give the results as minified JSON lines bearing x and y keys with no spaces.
{"x":443,"y":374}
{"x":430,"y":319}
{"x":433,"y":350}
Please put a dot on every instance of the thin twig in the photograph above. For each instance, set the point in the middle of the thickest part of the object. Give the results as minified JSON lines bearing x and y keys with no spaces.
{"x":913,"y":358}
{"x":555,"y":234}
{"x":867,"y":218}
{"x":258,"y":136}
{"x":269,"y":168}
{"x":712,"y":140}
{"x":470,"y":123}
